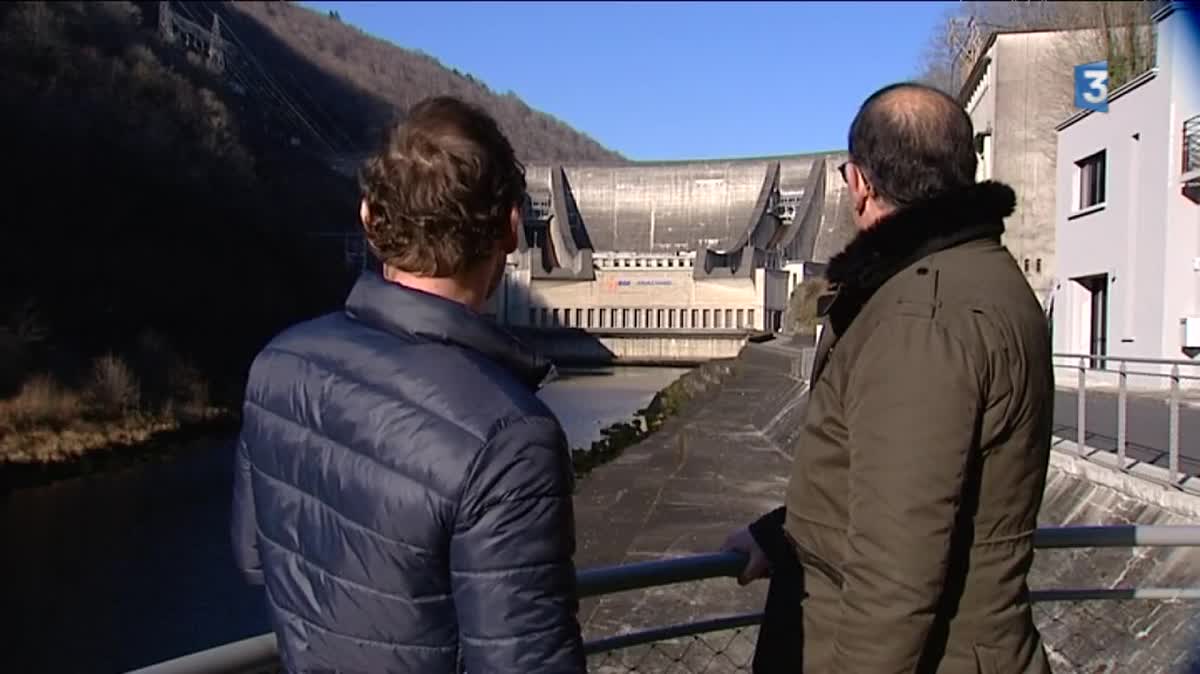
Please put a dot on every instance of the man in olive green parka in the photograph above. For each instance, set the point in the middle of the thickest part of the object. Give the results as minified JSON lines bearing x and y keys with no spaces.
{"x":919,"y":471}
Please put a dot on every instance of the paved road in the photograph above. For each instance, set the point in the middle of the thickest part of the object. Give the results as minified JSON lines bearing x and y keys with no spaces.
{"x":1146,"y":424}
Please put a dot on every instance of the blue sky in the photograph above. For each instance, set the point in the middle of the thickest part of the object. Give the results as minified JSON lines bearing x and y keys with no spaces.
{"x":673,"y":80}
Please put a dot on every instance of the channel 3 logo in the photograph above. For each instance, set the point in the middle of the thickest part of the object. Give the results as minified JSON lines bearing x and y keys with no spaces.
{"x":1091,"y":86}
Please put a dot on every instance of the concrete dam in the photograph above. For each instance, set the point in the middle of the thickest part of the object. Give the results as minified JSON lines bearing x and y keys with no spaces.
{"x":670,"y":261}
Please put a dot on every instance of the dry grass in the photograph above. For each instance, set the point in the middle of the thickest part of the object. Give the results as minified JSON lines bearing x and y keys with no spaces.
{"x":46,"y":422}
{"x":41,"y":403}
{"x":114,"y":391}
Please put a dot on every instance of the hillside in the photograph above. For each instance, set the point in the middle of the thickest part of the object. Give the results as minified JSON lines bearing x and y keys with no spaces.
{"x":160,"y":228}
{"x":351,"y":85}
{"x":152,"y":242}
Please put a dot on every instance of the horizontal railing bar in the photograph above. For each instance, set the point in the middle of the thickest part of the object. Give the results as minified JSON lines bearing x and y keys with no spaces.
{"x":247,"y":655}
{"x":251,"y":654}
{"x":1116,"y":594}
{"x":1117,"y":536}
{"x":1123,"y":359}
{"x":613,"y":579}
{"x":671,"y":632}
{"x":657,"y":634}
{"x":1131,"y":373}
{"x":654,"y":635}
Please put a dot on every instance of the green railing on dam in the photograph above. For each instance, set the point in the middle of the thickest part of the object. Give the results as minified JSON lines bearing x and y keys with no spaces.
{"x":724,"y":644}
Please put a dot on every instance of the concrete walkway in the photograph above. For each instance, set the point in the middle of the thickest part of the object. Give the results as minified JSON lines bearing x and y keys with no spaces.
{"x":682,"y":491}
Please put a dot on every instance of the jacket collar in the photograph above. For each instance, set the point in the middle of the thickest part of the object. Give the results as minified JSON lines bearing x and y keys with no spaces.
{"x":400,"y":310}
{"x":905,"y":236}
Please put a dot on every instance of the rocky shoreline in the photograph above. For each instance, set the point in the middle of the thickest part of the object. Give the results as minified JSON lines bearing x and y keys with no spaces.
{"x":665,"y":404}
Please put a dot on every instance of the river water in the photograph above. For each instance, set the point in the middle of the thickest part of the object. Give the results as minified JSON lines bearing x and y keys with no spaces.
{"x":116,"y":571}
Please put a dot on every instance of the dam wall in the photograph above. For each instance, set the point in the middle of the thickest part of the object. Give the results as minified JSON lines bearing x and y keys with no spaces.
{"x":598,"y":348}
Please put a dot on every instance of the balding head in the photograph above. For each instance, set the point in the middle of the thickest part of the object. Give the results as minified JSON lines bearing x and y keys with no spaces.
{"x":912,"y":142}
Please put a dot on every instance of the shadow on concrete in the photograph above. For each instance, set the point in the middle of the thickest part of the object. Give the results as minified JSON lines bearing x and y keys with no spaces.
{"x":1146,"y":422}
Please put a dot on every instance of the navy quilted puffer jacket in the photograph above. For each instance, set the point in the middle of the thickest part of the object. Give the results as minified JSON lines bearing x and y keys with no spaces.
{"x":404,"y":496}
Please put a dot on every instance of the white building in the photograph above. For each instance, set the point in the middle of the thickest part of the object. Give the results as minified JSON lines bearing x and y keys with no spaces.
{"x":1018,"y":89}
{"x":1127,"y":215}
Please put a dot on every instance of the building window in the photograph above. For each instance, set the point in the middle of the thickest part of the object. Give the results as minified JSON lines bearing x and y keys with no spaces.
{"x":545,"y":317}
{"x":741,"y":320}
{"x":1092,"y":176}
{"x":578,"y":317}
{"x":1037,"y":265}
{"x":729,"y":318}
{"x":1026,"y":265}
{"x":533,"y":316}
{"x":750,"y":318}
{"x":591,"y":318}
{"x":624,"y":318}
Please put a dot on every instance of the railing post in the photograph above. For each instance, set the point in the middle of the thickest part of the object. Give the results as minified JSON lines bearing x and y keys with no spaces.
{"x":1081,"y":412}
{"x":1122,"y":405}
{"x":1173,"y":432}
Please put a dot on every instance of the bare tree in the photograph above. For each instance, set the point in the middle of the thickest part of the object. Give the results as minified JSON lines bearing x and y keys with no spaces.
{"x":1118,"y":32}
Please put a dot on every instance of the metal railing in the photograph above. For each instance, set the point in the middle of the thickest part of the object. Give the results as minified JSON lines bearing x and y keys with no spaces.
{"x":724,"y":643}
{"x":1093,"y":370}
{"x":1191,"y":144}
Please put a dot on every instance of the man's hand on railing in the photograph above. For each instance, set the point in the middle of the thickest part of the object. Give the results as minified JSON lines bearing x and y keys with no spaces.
{"x":757,"y":565}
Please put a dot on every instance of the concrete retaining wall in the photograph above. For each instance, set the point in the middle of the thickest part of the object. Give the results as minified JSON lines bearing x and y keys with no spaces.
{"x":580,"y":348}
{"x":1131,"y":636}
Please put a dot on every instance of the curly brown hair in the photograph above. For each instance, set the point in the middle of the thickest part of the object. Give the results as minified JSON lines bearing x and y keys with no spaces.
{"x":440,"y":194}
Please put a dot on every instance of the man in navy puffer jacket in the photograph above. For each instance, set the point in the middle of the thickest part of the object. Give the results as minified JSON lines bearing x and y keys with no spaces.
{"x":399,"y":489}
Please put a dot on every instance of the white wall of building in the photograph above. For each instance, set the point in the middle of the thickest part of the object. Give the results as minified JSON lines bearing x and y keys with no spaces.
{"x":1022,"y":90}
{"x":1145,"y":236}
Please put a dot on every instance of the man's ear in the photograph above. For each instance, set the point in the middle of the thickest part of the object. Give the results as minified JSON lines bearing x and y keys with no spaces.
{"x":511,"y":235}
{"x":860,"y":188}
{"x":364,"y":213}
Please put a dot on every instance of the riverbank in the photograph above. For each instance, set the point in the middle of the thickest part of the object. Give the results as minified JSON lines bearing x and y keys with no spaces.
{"x":665,"y":404}
{"x":68,"y":415}
{"x":134,"y":566}
{"x":48,"y":456}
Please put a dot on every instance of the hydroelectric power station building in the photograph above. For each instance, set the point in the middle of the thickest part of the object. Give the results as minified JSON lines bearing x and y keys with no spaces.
{"x":691,"y":246}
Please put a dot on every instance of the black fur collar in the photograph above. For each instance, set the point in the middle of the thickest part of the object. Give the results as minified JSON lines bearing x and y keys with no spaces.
{"x":902,"y":238}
